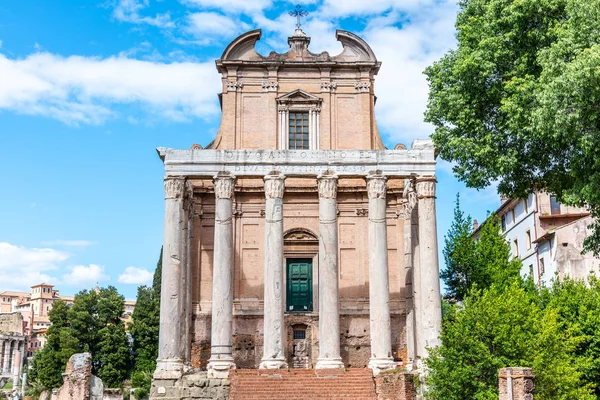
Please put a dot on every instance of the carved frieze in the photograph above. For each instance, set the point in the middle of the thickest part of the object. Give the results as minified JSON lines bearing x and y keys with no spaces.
{"x":224,"y":185}
{"x":426,"y":187}
{"x":328,"y":87}
{"x":376,"y":186}
{"x":361,"y":212}
{"x":270,"y":86}
{"x":234,"y":86}
{"x":174,"y":187}
{"x":362,"y":87}
{"x":274,"y":185}
{"x":283,"y":107}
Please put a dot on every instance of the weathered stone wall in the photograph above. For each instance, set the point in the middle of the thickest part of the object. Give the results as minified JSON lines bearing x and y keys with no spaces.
{"x":516,"y":383}
{"x":193,"y":386}
{"x":11,"y":323}
{"x":248,"y":338}
{"x":77,"y":378}
{"x":395,"y":385}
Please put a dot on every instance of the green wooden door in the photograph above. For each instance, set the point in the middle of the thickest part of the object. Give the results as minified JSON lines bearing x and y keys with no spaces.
{"x":299,"y":285}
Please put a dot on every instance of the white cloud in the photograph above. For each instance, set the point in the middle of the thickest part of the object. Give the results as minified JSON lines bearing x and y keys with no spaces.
{"x":231,"y":5}
{"x":137,"y":276}
{"x":68,"y":243}
{"x":401,"y":86}
{"x":82,"y":275}
{"x":22,"y":267}
{"x":361,"y":7}
{"x":203,"y":24}
{"x":85,"y":89}
{"x":129,"y":11}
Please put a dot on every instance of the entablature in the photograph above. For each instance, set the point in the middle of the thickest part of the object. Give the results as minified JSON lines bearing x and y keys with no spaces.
{"x":417,"y":162}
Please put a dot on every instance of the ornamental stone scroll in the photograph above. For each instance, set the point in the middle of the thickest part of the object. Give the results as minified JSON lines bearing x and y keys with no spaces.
{"x":376,"y":185}
{"x":274,"y":185}
{"x":327,"y":185}
{"x":174,"y":187}
{"x":224,"y":185}
{"x":426,"y":187}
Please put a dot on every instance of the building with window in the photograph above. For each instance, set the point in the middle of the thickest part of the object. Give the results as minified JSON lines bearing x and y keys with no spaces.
{"x":291,"y":239}
{"x":35,"y":307}
{"x":547,"y":236}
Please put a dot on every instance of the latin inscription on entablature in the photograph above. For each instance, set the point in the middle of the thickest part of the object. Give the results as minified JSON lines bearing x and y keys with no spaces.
{"x":398,"y":163}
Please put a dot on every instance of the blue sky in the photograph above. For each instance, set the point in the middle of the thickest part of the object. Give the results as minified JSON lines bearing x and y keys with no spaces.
{"x":89,"y":89}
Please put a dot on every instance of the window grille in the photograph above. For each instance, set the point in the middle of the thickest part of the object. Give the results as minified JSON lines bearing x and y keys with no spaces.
{"x":298,"y":131}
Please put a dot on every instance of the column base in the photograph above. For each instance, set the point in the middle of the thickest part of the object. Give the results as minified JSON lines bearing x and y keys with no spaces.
{"x":381,"y":364}
{"x":273,"y":363}
{"x":323,"y":363}
{"x":219,"y":369}
{"x":168,"y":369}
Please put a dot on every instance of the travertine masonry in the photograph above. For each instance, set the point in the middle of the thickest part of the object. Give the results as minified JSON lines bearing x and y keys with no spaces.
{"x":322,"y":251}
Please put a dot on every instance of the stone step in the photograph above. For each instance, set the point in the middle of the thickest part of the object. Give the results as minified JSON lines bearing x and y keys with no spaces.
{"x":302,"y":384}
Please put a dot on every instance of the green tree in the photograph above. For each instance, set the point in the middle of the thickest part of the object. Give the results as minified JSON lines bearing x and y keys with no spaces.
{"x":112,"y":356}
{"x":92,"y":324}
{"x":480,"y":261}
{"x":517,"y":101}
{"x":493,"y":263}
{"x":144,"y":330}
{"x":577,"y":308}
{"x":156,"y":280}
{"x":49,"y":363}
{"x":459,"y":250}
{"x":501,"y":327}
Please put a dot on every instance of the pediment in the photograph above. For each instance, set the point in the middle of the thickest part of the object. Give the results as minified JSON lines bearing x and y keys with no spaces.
{"x":300,"y":235}
{"x":299,"y":96}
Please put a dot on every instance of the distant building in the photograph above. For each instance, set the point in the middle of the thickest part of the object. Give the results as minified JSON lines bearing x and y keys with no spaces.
{"x":547,"y":236}
{"x":35,"y":308}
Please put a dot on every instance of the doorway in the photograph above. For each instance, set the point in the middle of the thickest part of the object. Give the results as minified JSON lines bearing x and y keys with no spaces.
{"x":299,"y":285}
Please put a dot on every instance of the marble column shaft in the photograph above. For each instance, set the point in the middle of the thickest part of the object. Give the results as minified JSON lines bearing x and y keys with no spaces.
{"x":329,"y":315}
{"x":189,"y":276}
{"x":379,"y":292}
{"x":7,"y":351}
{"x":430,"y":298}
{"x":273,"y":344}
{"x":169,"y":363}
{"x":221,"y":358}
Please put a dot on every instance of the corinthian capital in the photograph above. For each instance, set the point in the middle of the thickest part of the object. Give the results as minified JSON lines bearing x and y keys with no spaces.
{"x":426,"y":187}
{"x":327,"y":185}
{"x":376,"y":185}
{"x":174,"y":187}
{"x":274,"y":185}
{"x":224,"y":184}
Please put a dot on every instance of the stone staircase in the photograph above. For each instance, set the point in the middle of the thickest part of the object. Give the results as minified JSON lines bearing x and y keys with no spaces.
{"x":302,"y":384}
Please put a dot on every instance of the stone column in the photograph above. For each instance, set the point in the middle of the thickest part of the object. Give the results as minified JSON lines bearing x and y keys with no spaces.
{"x":17,"y":357}
{"x":408,"y":214}
{"x":379,"y":292}
{"x":221,"y":358}
{"x":329,"y":315}
{"x":430,"y":298}
{"x":5,"y":355}
{"x":189,"y":276}
{"x":273,"y":346}
{"x":169,"y":364}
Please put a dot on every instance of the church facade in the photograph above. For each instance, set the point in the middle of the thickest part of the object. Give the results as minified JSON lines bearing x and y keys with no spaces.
{"x":296,"y":239}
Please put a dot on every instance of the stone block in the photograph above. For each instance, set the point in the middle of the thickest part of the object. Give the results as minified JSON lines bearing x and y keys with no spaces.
{"x":395,"y":385}
{"x":516,"y":383}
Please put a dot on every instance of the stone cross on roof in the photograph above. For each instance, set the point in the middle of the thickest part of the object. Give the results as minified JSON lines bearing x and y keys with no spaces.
{"x":298,"y":13}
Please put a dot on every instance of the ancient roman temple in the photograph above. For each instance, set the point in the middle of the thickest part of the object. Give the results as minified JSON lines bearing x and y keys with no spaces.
{"x":296,"y":239}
